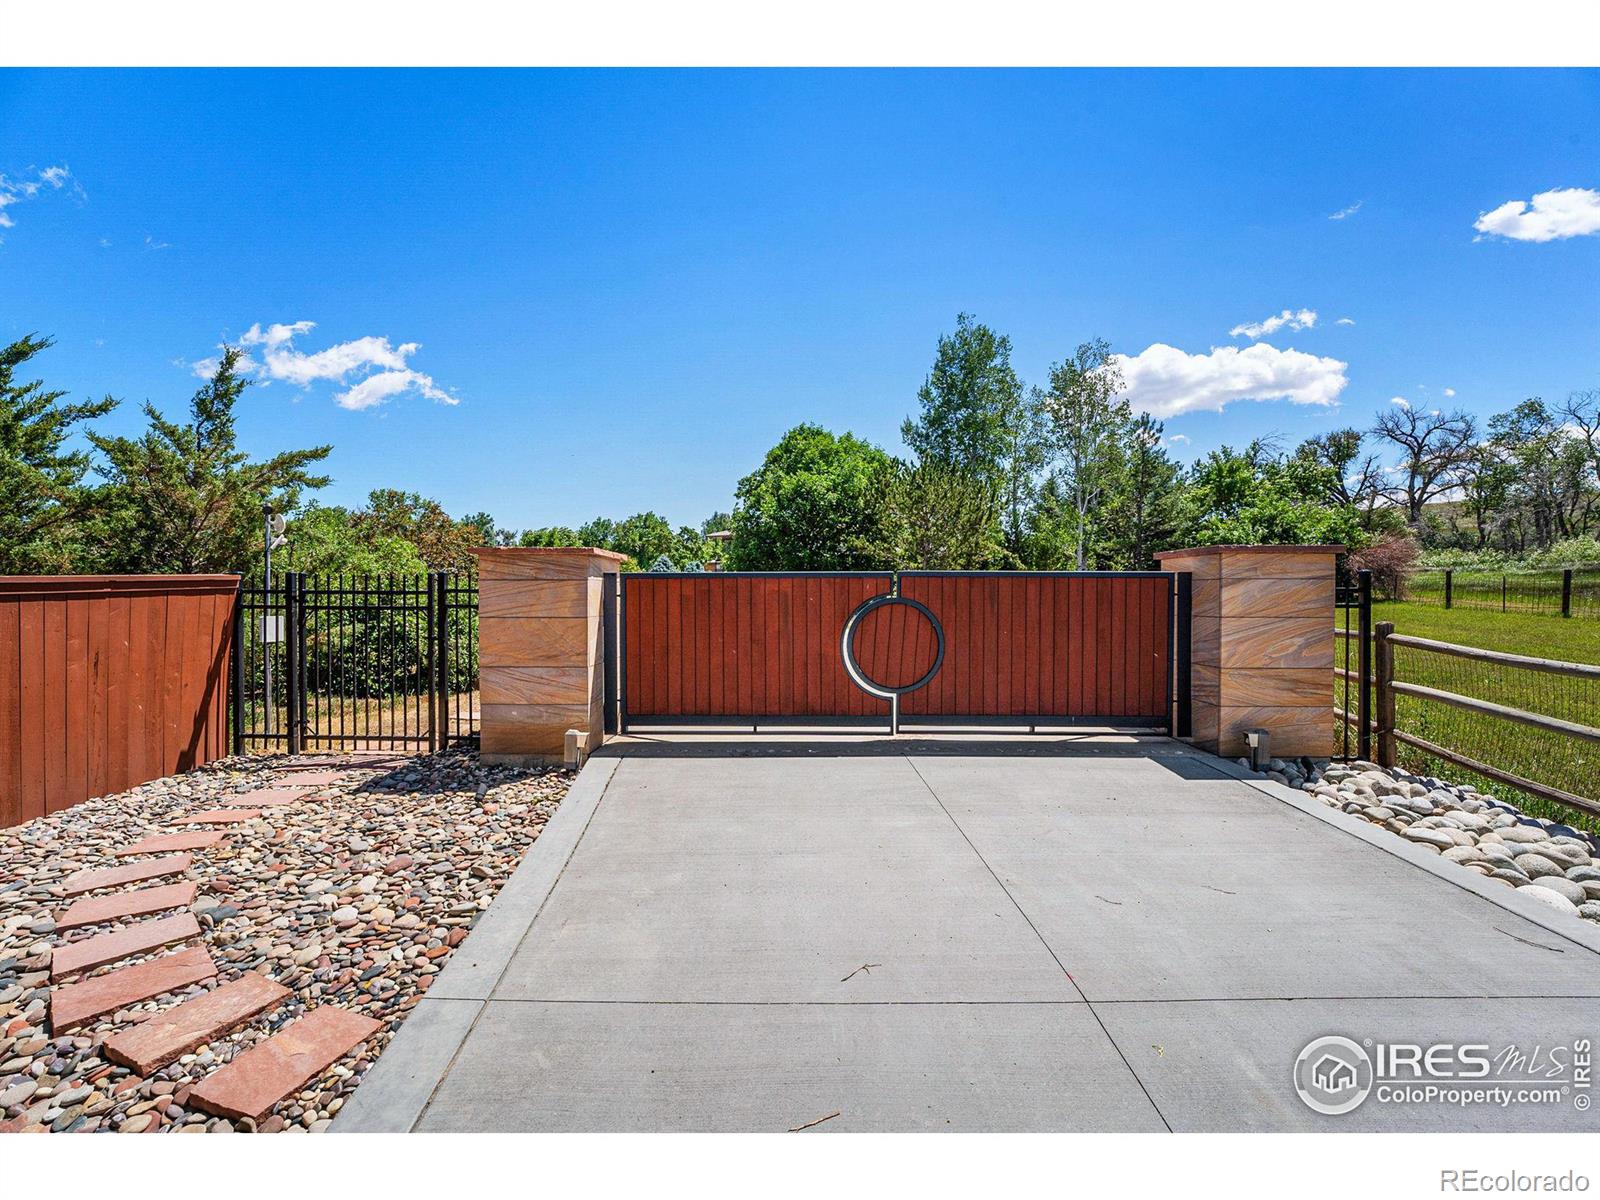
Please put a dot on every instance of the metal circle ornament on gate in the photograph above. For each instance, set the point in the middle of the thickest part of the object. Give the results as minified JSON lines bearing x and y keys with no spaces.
{"x":900,"y":673}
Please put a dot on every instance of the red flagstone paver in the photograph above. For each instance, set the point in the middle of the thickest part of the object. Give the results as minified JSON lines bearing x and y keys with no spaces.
{"x":139,"y":938}
{"x":307,"y":779}
{"x":88,"y":881}
{"x":198,"y":840}
{"x":267,"y":1072}
{"x":76,"y":1003}
{"x":265,"y":798}
{"x":139,"y":902}
{"x":168,"y":1035}
{"x":221,"y":816}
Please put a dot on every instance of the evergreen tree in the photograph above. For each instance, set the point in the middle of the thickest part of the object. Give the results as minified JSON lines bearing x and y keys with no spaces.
{"x":1144,"y":513}
{"x":42,"y":493}
{"x":184,"y":498}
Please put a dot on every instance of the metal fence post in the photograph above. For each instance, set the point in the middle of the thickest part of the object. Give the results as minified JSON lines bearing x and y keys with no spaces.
{"x":1385,"y":690}
{"x":236,"y":671}
{"x":1364,"y":692}
{"x":611,"y":642}
{"x":430,"y":656}
{"x":292,"y":652}
{"x":445,"y":582}
{"x":1182,"y":677}
{"x":1449,"y":580}
{"x":1566,"y":592}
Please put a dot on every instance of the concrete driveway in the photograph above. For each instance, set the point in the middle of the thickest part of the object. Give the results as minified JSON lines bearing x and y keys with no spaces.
{"x":1056,"y":934}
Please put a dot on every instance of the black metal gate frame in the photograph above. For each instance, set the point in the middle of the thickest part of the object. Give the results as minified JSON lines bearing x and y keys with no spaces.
{"x":1179,"y":701}
{"x":424,"y":603}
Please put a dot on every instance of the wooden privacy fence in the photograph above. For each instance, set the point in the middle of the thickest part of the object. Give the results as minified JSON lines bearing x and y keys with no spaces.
{"x":107,"y":682}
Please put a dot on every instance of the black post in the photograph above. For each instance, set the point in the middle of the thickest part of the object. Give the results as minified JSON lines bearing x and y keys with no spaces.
{"x":1449,"y":580}
{"x":430,"y":656}
{"x":1364,"y":704}
{"x":1181,"y":675}
{"x":1502,"y":593}
{"x":612,"y":644}
{"x":441,"y":655}
{"x":292,"y":648}
{"x":1566,"y":592}
{"x":236,"y":670}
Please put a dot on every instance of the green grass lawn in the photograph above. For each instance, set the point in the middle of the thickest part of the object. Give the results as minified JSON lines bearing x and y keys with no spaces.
{"x":1571,"y":639}
{"x":1562,"y":762}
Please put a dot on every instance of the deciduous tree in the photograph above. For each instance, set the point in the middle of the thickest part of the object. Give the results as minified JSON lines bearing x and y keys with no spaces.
{"x":814,"y":504}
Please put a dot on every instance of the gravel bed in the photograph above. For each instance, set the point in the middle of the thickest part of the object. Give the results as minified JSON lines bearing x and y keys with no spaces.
{"x":1546,"y":860}
{"x":353,"y":896}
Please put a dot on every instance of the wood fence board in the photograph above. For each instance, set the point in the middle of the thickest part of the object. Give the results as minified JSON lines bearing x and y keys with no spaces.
{"x":107,"y":682}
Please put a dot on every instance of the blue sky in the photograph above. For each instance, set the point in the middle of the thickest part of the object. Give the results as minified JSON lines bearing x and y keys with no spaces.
{"x":622,"y":286}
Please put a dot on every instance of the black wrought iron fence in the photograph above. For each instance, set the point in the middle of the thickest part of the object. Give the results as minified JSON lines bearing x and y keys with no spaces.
{"x":1352,"y":663}
{"x":351,"y":662}
{"x":1557,"y":591}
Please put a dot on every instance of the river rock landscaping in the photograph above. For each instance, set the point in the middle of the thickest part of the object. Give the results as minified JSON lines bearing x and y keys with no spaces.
{"x":347,"y":888}
{"x":1549,"y":861}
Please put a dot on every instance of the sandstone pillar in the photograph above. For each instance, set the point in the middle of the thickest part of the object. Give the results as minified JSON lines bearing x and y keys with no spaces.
{"x":541,"y":650}
{"x":1261,"y":646}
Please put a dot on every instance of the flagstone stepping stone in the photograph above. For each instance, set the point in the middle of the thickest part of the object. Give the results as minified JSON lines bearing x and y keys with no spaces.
{"x":265,"y":798}
{"x":139,"y":938}
{"x":89,"y":881}
{"x":269,"y":1071}
{"x":309,"y":779}
{"x":199,"y":840}
{"x":221,"y":816}
{"x":76,"y":1003}
{"x":139,"y":902}
{"x":170,"y":1034}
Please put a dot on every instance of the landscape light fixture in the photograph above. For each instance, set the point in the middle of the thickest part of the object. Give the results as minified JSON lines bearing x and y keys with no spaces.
{"x":1260,"y":751}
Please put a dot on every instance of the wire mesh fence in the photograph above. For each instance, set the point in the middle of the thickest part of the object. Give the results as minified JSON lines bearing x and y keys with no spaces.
{"x":1558,"y":591}
{"x":1532,"y":724}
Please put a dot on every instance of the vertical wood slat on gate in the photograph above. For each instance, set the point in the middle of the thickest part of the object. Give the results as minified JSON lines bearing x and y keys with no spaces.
{"x":1073,"y":646}
{"x":742,"y":645}
{"x":107,"y":682}
{"x":1042,"y":645}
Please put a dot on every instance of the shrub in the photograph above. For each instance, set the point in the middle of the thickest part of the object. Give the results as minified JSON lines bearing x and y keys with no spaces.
{"x":1391,"y":561}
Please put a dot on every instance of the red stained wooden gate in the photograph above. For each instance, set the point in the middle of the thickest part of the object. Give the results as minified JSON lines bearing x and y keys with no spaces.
{"x":1016,"y":648}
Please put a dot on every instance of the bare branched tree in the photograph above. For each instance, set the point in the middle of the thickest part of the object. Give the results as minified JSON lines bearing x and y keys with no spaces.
{"x":1433,"y":446}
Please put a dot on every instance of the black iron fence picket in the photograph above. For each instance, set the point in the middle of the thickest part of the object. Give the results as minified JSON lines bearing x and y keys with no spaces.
{"x":356,"y":662}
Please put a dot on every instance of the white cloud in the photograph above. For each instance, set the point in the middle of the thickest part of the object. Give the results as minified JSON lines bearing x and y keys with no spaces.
{"x":150,"y":243}
{"x":1561,"y":213}
{"x":1345,"y":321}
{"x":1449,"y":391}
{"x":371,"y":369}
{"x":1304,"y":319}
{"x":15,"y":191}
{"x":376,"y":389}
{"x":1348,"y":210}
{"x":1179,"y":439}
{"x":1400,"y":400}
{"x":1165,"y":381}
